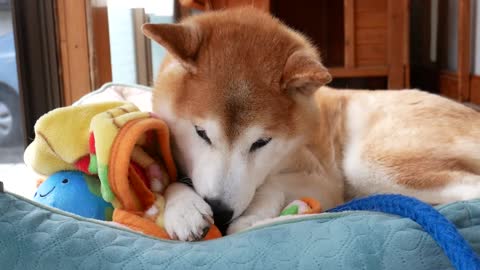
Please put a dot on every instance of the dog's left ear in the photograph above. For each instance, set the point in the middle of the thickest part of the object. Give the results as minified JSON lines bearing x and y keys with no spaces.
{"x":182,"y":41}
{"x":304,"y":73}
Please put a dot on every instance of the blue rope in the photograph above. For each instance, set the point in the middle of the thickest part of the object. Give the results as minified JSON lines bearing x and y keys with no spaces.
{"x":459,"y":252}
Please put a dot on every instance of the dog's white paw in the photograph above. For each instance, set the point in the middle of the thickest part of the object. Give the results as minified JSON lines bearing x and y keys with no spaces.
{"x":242,"y":223}
{"x":187,"y":216}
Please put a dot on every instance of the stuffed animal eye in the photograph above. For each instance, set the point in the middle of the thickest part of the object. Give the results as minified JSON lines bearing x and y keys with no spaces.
{"x":203,"y":134}
{"x":259,"y":144}
{"x":65,"y":181}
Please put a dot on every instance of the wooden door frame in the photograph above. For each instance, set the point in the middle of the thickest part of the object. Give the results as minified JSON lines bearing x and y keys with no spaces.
{"x":99,"y":43}
{"x":459,"y":84}
{"x":84,"y":46}
{"x":398,"y":44}
{"x":463,"y":50}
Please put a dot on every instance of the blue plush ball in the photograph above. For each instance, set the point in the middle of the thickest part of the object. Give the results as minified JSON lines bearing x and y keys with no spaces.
{"x":74,"y":192}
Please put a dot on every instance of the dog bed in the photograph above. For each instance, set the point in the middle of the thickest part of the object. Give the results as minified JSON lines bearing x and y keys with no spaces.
{"x":33,"y":236}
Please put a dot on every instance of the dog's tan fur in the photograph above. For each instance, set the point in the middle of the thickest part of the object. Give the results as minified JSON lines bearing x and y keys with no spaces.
{"x":243,"y":68}
{"x":420,"y":141}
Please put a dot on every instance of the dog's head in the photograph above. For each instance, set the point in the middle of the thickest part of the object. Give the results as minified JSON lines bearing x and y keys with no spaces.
{"x":235,"y":90}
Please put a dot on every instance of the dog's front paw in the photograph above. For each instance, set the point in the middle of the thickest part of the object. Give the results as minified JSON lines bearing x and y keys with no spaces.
{"x":241,"y":223}
{"x":187,"y":216}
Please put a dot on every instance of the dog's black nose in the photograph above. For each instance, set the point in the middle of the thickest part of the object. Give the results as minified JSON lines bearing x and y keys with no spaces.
{"x":222,"y":214}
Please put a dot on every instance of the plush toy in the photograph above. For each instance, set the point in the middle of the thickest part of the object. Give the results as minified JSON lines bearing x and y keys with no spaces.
{"x":74,"y":192}
{"x":127,"y":151}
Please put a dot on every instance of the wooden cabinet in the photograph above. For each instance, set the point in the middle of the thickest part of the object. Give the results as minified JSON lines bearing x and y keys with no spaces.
{"x":357,"y":38}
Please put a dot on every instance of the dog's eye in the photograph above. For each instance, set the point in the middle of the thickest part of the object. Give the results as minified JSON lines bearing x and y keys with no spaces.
{"x":259,"y":144}
{"x":202,"y":134}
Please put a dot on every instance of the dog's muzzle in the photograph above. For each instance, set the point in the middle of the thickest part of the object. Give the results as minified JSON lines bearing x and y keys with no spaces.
{"x":222,"y":214}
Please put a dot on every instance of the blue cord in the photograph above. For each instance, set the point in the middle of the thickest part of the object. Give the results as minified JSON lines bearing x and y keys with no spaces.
{"x":459,"y":252}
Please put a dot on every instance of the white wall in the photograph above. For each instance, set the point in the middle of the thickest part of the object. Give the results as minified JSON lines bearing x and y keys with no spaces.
{"x":122,"y":35}
{"x":122,"y":45}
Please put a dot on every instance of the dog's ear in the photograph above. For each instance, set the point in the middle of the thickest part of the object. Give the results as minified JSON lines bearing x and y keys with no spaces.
{"x":304,"y":73}
{"x":182,"y":41}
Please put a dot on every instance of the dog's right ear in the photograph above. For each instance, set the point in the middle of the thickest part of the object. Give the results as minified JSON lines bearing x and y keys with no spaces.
{"x":182,"y":41}
{"x":304,"y":73}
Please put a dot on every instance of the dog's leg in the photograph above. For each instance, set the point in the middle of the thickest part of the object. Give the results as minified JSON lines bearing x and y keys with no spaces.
{"x":461,"y":186}
{"x":267,"y":203}
{"x":187,"y":216}
{"x":430,"y":179}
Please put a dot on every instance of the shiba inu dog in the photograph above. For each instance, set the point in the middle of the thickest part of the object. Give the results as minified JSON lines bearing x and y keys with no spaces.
{"x":254,"y":128}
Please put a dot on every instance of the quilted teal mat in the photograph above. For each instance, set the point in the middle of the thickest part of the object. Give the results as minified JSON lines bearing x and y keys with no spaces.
{"x":36,"y":237}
